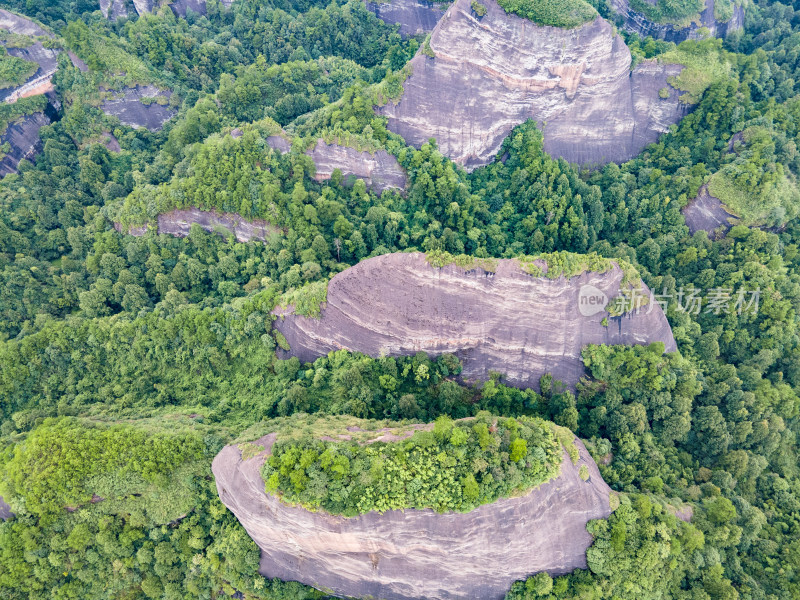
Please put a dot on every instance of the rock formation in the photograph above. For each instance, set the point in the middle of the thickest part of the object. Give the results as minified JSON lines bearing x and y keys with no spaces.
{"x":492,"y":73}
{"x":129,"y":107}
{"x":5,"y":510}
{"x":414,"y":554}
{"x":23,"y":138}
{"x":179,"y":222}
{"x":116,"y":9}
{"x":506,"y":321}
{"x":22,"y":134}
{"x":635,"y":22}
{"x":706,"y":213}
{"x":379,"y":170}
{"x":413,"y":16}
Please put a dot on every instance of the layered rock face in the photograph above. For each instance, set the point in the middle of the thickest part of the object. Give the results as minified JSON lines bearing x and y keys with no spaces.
{"x":492,"y":73}
{"x":635,"y":22}
{"x":414,"y":554}
{"x":129,"y":108}
{"x":413,"y":16}
{"x":179,"y":223}
{"x":380,"y":171}
{"x":507,"y":321}
{"x":5,"y":510}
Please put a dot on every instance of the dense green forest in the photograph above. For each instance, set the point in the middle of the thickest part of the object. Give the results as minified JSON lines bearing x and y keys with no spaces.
{"x":127,"y":363}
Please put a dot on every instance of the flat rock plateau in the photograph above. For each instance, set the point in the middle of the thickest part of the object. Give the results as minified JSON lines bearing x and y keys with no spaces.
{"x":706,"y":213}
{"x":492,"y":73}
{"x":508,"y":321}
{"x":415,"y":554}
{"x":413,"y":16}
{"x":635,"y":22}
{"x":131,"y":107}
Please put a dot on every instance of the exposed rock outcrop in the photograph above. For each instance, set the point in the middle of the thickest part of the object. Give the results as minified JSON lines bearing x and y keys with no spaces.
{"x":5,"y":510}
{"x":379,"y":170}
{"x":136,"y":107}
{"x":506,"y":321}
{"x":492,"y":73}
{"x":23,"y":139}
{"x":706,"y":213}
{"x":635,"y":22}
{"x":413,"y":16}
{"x":179,"y":223}
{"x":46,"y":59}
{"x":114,"y":9}
{"x":414,"y":554}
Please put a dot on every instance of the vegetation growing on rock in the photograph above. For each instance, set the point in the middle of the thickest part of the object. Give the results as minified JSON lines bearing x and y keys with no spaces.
{"x":457,"y":466}
{"x":556,"y":13}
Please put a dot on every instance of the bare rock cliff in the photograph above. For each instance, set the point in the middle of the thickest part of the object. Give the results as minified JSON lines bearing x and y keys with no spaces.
{"x":179,"y":223}
{"x":492,"y":73}
{"x":507,"y":321}
{"x":413,"y":16}
{"x":707,"y":213}
{"x":635,"y":22}
{"x":24,"y":141}
{"x":415,"y":554}
{"x":136,"y":107}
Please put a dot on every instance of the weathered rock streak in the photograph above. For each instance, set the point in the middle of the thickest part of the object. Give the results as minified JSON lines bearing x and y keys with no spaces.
{"x":492,"y":73}
{"x":414,"y":554}
{"x":508,"y":321}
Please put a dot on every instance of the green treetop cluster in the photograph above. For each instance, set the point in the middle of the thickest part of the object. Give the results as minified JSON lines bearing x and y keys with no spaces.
{"x":456,"y":466}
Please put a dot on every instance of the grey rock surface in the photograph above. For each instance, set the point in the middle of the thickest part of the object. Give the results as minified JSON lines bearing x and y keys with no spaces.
{"x":178,"y":222}
{"x":23,"y":137}
{"x":45,"y":58}
{"x":706,"y":213}
{"x":413,"y":16}
{"x":181,"y":7}
{"x":114,"y":9}
{"x":493,"y":73}
{"x":128,"y":107}
{"x":5,"y":510}
{"x":412,"y":554}
{"x":635,"y":22}
{"x":507,"y":321}
{"x":379,"y":171}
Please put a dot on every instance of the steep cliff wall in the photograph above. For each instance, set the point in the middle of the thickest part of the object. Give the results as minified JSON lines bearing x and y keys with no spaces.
{"x":635,"y":22}
{"x":413,"y":16}
{"x":414,"y":554}
{"x":507,"y":321}
{"x":492,"y":73}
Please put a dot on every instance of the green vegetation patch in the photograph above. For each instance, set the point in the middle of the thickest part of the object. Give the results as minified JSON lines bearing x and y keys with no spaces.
{"x":441,"y":259}
{"x":706,"y":63}
{"x":556,"y":13}
{"x":69,"y":462}
{"x":13,"y":70}
{"x":456,"y":466}
{"x":679,"y":12}
{"x":22,"y":107}
{"x":306,"y":300}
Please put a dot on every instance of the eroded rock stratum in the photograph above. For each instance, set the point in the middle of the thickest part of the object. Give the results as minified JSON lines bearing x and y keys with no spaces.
{"x":494,"y":72}
{"x":507,"y":321}
{"x":413,"y":16}
{"x":415,"y":554}
{"x":635,"y":22}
